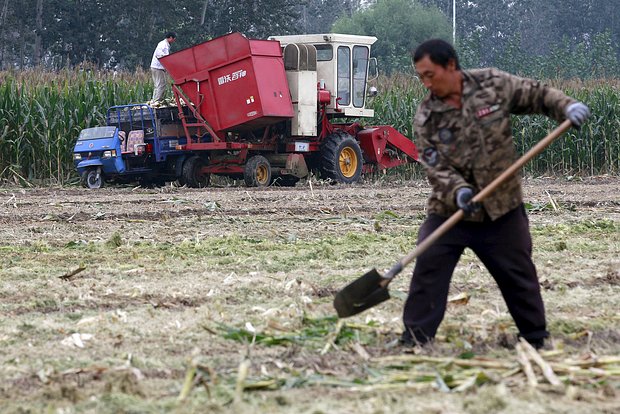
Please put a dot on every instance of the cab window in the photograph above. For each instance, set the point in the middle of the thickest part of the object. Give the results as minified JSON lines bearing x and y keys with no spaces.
{"x":324,"y":52}
{"x":360,"y":68}
{"x":344,"y":75}
{"x":97,"y":133}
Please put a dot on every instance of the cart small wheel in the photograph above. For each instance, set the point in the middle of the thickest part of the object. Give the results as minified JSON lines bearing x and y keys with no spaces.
{"x":92,"y":178}
{"x":257,"y":172}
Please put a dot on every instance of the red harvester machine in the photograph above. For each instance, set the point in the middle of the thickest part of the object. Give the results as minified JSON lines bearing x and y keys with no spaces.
{"x":272,"y":110}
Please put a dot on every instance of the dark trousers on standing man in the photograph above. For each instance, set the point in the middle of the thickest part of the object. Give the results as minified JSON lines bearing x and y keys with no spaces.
{"x":504,"y":246}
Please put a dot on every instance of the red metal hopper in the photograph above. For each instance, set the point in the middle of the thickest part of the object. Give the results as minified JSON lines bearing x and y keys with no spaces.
{"x":235,"y":83}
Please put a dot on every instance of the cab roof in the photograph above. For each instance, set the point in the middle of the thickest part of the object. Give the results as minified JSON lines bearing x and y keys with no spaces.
{"x":326,"y":38}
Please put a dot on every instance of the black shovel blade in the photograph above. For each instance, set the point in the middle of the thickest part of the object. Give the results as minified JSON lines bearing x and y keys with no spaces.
{"x":361,"y":294}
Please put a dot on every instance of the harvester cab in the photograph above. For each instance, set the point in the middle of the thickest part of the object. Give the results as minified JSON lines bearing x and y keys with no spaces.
{"x":341,"y":64}
{"x":336,"y":65}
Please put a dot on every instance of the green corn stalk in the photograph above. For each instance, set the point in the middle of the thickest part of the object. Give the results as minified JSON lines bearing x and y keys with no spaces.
{"x":41,"y":114}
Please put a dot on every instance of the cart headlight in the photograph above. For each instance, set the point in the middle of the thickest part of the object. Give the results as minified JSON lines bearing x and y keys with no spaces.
{"x":109,"y":154}
{"x":77,"y":156}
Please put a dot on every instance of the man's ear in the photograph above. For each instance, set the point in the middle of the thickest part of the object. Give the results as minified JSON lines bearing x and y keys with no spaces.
{"x":451,"y":64}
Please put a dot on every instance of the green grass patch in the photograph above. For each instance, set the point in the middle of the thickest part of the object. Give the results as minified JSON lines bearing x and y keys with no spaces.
{"x":586,"y":227}
{"x":244,"y":253}
{"x":314,"y":332}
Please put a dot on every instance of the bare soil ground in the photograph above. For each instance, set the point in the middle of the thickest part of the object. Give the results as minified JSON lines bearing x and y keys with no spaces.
{"x":219,"y":300}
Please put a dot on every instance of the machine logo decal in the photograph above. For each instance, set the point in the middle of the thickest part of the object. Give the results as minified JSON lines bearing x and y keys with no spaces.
{"x":231,"y":77}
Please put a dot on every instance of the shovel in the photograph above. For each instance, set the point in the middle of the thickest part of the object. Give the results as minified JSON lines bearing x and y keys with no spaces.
{"x":372,"y":288}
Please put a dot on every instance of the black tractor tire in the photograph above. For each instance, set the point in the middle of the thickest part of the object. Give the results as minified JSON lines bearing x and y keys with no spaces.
{"x":92,"y":178}
{"x":257,"y":172}
{"x":341,"y":158}
{"x":192,"y":175}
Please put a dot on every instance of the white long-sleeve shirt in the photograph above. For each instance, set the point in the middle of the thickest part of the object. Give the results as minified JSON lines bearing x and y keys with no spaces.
{"x":162,"y":49}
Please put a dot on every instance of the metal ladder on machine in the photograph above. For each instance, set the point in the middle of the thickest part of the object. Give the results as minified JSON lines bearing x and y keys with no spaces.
{"x":202,"y":123}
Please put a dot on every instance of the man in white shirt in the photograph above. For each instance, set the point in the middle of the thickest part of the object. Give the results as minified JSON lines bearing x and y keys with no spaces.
{"x":157,"y":70}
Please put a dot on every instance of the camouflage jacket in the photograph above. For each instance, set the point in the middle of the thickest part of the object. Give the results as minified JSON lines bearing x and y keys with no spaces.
{"x":473,"y":145}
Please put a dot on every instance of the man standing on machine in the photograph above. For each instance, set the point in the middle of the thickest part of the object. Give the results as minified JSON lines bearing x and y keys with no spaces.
{"x":157,"y":70}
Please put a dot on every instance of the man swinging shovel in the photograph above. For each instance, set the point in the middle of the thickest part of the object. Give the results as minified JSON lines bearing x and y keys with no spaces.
{"x":464,"y":136}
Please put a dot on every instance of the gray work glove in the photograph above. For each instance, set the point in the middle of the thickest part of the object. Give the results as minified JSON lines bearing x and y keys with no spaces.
{"x":577,"y":113}
{"x":463,"y":201}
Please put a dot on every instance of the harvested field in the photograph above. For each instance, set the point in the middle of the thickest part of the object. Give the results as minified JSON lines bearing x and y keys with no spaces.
{"x":219,"y":300}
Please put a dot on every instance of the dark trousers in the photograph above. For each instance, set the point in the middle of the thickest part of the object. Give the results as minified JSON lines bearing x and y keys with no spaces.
{"x":504,"y":246}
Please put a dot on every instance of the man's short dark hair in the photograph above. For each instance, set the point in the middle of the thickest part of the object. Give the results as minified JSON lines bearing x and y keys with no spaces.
{"x":171,"y":35}
{"x":439,"y":52}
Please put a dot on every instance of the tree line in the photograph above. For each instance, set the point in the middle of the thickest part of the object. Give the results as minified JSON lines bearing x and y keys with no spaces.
{"x":554,"y":38}
{"x":113,"y":34}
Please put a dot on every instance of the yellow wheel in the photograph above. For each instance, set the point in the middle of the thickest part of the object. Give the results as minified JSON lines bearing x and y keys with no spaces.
{"x":341,"y":158}
{"x":262,"y":175}
{"x":257,"y":172}
{"x":348,"y":162}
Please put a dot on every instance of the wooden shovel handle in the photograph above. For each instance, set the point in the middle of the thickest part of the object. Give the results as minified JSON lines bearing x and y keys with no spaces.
{"x":534,"y":151}
{"x":484,"y":193}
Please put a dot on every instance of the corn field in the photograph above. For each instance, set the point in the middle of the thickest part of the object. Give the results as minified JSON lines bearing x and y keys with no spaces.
{"x":41,"y":114}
